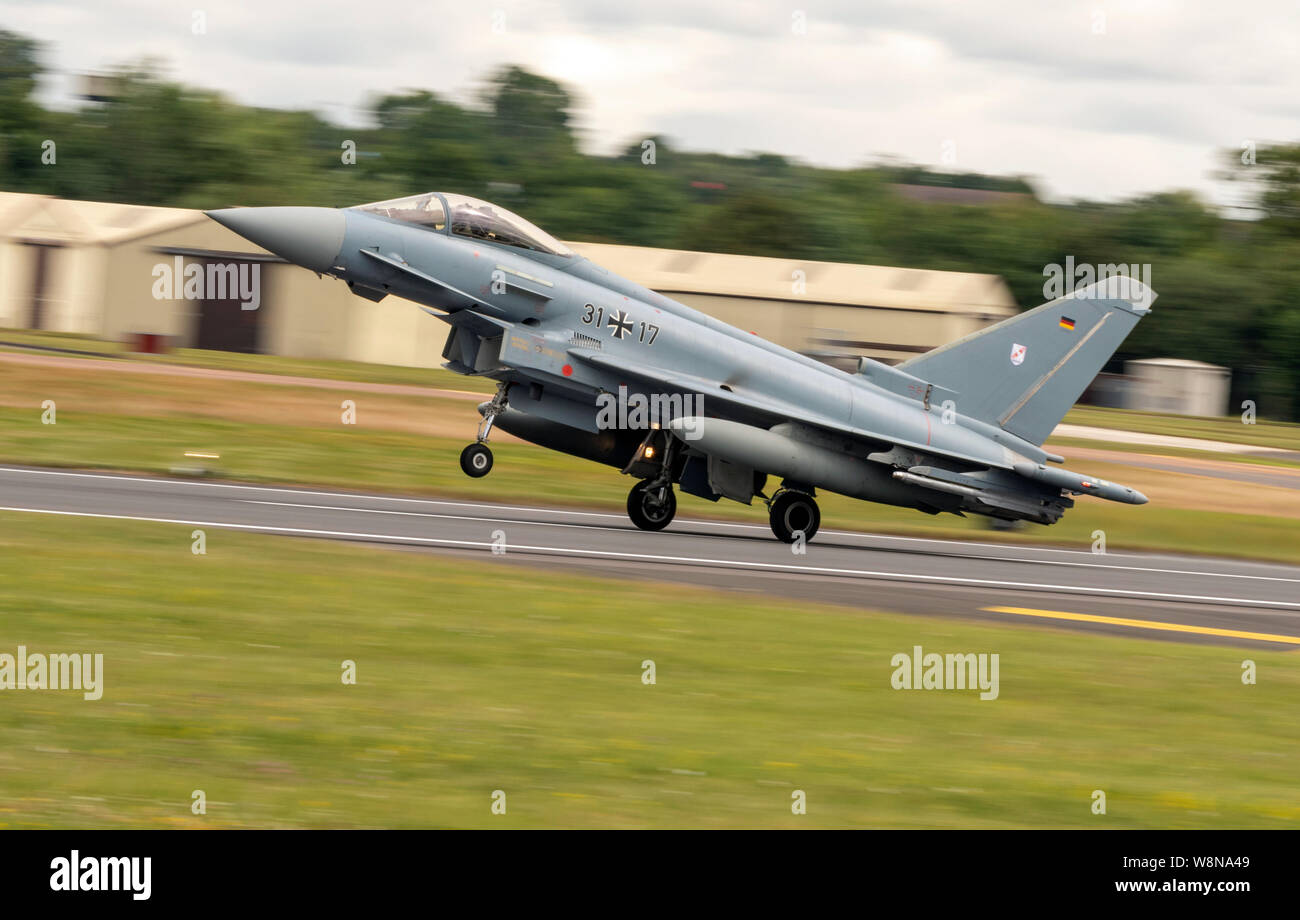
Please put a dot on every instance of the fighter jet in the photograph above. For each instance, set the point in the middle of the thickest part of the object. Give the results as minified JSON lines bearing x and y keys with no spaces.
{"x":593,"y":365}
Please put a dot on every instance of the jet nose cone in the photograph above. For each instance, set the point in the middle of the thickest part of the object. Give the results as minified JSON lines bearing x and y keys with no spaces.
{"x":310,"y":237}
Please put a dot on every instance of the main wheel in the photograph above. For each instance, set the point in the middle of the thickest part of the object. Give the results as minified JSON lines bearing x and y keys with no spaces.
{"x":1002,"y":524}
{"x":476,"y":460}
{"x":647,"y":509}
{"x":794,"y":512}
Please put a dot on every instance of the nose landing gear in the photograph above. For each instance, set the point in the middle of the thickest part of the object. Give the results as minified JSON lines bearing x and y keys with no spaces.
{"x":476,"y":458}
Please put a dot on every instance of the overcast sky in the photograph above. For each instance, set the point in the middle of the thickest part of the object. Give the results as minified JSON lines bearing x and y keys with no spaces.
{"x":1099,"y":99}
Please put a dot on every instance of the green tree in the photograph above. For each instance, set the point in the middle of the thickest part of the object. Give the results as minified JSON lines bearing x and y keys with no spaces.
{"x":21,"y":119}
{"x":532,"y":111}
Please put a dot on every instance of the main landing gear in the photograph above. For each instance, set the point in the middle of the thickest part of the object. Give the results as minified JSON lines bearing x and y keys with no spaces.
{"x":652,"y":504}
{"x":476,"y":458}
{"x":791,"y":512}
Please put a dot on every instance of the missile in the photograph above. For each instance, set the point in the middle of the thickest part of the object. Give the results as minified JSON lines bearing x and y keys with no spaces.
{"x":1080,"y":484}
{"x":983,"y":498}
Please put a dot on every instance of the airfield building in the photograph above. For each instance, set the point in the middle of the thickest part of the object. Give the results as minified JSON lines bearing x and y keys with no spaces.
{"x":1177,"y":386}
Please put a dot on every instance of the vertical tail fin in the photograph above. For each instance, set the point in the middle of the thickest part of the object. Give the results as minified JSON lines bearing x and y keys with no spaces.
{"x":1025,"y":373}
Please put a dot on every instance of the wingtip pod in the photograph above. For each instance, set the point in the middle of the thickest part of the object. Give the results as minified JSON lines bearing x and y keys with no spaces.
{"x":1126,"y":291}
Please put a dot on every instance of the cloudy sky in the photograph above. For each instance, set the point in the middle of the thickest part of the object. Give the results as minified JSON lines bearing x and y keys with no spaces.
{"x":1099,"y":99}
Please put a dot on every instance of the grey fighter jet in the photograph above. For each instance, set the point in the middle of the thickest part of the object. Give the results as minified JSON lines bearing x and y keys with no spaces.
{"x":596,"y":366}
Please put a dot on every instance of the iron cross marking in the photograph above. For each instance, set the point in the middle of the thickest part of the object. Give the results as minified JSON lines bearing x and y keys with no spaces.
{"x":620,"y":324}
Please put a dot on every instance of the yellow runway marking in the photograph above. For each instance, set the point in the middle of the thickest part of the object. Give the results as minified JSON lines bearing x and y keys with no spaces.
{"x":1145,"y":624}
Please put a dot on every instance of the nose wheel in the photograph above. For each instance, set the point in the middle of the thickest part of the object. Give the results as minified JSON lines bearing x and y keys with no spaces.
{"x":476,"y":459}
{"x":791,"y":513}
{"x":651,"y":506}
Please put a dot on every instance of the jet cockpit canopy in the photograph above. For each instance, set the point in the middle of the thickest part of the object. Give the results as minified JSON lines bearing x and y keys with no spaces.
{"x":470,"y":217}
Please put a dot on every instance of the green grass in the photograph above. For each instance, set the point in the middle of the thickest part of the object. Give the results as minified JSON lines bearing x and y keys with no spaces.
{"x":222,"y":673}
{"x":1280,"y":435}
{"x":354,"y":458}
{"x":1063,"y":445}
{"x":259,"y":364}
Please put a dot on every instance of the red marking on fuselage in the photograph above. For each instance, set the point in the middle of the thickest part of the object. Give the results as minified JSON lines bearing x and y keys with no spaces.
{"x":567,"y":370}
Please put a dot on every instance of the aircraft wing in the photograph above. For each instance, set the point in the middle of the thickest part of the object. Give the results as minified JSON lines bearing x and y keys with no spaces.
{"x":771,"y":410}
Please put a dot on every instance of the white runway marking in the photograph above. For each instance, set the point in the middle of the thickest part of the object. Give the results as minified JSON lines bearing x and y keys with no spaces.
{"x":689,"y":560}
{"x":492,"y":520}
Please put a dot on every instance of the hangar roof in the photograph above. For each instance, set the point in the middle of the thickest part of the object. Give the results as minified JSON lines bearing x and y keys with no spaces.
{"x":672,"y":271}
{"x":59,"y":220}
{"x":15,"y":206}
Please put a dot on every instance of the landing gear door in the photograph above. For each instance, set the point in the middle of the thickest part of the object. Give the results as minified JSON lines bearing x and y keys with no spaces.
{"x":731,"y":480}
{"x":473,"y":351}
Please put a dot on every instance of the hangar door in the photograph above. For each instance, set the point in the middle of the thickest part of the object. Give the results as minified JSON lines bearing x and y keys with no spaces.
{"x":40,"y":302}
{"x":224,"y":324}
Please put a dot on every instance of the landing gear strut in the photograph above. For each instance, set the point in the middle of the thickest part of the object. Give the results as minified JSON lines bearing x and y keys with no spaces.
{"x":651,"y":505}
{"x":791,"y":512}
{"x":476,"y":459}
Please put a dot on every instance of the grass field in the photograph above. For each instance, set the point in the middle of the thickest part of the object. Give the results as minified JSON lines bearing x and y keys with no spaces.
{"x":223,"y":670}
{"x":1063,"y":446}
{"x":1262,"y":433}
{"x":89,"y":347}
{"x":222,"y":673}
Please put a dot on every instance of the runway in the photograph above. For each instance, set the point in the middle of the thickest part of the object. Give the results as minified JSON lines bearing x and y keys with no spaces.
{"x":1137,"y":595}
